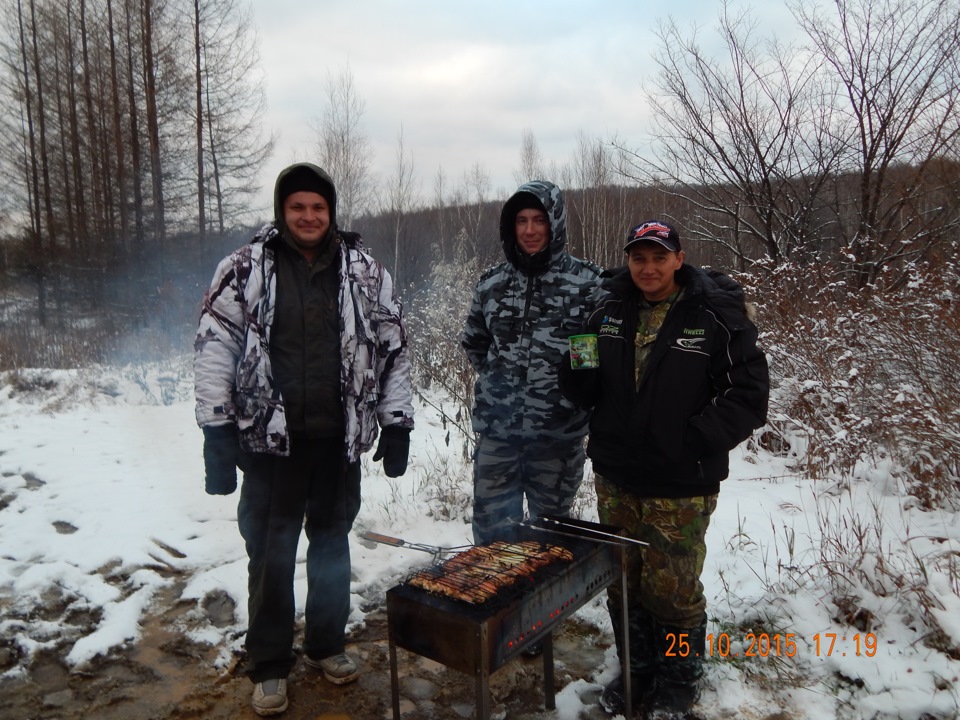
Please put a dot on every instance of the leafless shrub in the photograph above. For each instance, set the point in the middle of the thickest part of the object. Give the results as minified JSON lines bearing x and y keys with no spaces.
{"x":435,"y":322}
{"x":25,"y":382}
{"x":447,"y":489}
{"x":80,"y":341}
{"x":866,"y":376}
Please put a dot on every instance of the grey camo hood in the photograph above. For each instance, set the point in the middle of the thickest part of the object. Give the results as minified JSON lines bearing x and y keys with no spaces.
{"x":551,"y":200}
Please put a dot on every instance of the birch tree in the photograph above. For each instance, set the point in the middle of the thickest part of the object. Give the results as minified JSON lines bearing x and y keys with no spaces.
{"x":344,"y":147}
{"x":403,"y":196}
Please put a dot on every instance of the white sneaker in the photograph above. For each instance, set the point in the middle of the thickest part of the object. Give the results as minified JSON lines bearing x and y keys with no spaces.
{"x":270,"y":697}
{"x":338,"y":669}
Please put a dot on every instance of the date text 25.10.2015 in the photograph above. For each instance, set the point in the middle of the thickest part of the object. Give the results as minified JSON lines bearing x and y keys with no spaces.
{"x":774,"y":645}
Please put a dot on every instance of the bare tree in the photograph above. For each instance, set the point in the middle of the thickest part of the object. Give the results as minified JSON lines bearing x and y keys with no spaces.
{"x":403,"y":196}
{"x":120,"y":154}
{"x":599,"y":207}
{"x":230,"y":102}
{"x":119,"y":139}
{"x":894,"y":65}
{"x":441,"y":212}
{"x":93,"y":183}
{"x":78,"y":215}
{"x":531,"y":160}
{"x":134,"y":129}
{"x":344,"y":147}
{"x":470,"y":200}
{"x":742,"y":141}
{"x":823,"y":151}
{"x":32,"y":173}
{"x":153,"y":134}
{"x":198,"y":73}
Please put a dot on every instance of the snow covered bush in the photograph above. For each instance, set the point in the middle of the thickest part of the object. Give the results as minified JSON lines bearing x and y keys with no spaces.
{"x":865,"y":377}
{"x":435,"y":318}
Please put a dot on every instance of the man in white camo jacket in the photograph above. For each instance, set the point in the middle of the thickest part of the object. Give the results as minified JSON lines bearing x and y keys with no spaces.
{"x":301,"y":352}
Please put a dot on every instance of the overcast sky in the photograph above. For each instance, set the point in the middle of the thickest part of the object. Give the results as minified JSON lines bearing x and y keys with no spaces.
{"x":464,"y":79}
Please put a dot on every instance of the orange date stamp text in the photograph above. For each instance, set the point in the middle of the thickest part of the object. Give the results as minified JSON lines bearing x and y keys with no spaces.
{"x":779,"y":645}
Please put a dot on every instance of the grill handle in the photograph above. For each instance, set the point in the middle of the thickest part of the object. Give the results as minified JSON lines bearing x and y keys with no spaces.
{"x":434,"y":550}
{"x":384,"y":539}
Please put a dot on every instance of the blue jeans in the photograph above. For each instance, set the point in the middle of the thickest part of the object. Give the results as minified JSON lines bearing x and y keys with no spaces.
{"x":316,"y":490}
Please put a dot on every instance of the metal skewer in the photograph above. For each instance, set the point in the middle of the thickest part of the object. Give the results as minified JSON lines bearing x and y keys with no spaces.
{"x":573,"y":529}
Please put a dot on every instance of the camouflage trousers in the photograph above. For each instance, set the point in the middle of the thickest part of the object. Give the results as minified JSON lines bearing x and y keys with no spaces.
{"x":504,"y":472}
{"x":666,"y":605}
{"x":663,"y":579}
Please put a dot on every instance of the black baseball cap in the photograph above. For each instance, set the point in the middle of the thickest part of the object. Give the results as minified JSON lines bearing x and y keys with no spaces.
{"x":658,"y":231}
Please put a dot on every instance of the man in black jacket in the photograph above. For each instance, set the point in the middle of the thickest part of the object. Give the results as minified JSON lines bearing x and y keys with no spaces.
{"x":680,"y":383}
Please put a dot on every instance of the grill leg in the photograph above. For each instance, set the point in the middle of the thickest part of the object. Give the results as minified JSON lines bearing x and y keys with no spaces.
{"x":625,"y":636}
{"x":483,"y":675}
{"x":549,"y":700}
{"x":483,"y":695}
{"x":394,"y":678}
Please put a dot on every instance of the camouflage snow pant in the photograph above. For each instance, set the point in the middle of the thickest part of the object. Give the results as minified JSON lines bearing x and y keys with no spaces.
{"x":664,"y":592}
{"x":503,"y":472}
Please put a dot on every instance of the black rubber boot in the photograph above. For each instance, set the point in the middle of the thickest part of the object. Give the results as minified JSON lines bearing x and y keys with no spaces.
{"x":680,"y":667}
{"x":614,"y":700}
{"x":640,"y":635}
{"x":643,"y":659}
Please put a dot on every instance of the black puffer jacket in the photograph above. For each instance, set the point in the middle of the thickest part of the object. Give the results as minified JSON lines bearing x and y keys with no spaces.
{"x":703,"y":392}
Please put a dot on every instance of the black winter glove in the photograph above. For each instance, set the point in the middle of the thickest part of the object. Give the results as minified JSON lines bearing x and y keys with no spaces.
{"x":393,"y":448}
{"x":221,"y":448}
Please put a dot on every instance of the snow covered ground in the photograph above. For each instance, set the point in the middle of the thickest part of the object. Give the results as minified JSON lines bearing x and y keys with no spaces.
{"x":828,"y":598}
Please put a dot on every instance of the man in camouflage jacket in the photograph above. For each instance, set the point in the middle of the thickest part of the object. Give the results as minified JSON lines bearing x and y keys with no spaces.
{"x":529,"y":437}
{"x":301,"y":352}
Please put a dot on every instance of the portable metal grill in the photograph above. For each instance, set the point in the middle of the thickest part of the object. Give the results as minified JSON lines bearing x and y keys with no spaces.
{"x":477,"y":635}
